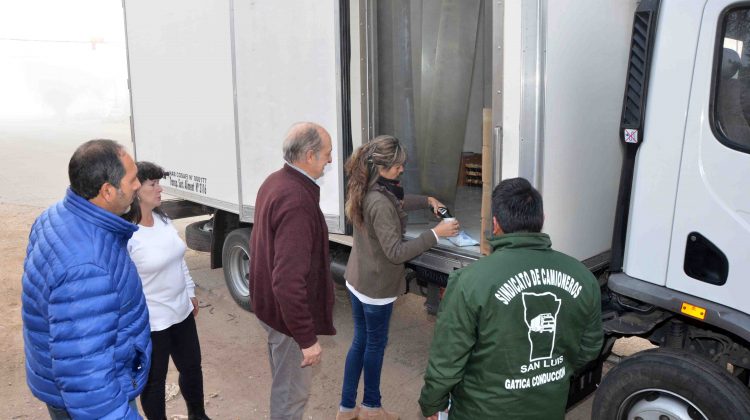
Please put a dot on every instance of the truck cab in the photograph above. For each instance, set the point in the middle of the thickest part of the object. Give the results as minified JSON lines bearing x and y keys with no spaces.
{"x":682,"y":230}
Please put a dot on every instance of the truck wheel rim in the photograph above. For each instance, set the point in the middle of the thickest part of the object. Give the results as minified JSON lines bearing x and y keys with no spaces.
{"x":239,"y":267}
{"x":658,"y":404}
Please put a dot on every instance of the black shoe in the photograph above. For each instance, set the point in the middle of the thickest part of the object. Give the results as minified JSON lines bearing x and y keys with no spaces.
{"x":197,"y":412}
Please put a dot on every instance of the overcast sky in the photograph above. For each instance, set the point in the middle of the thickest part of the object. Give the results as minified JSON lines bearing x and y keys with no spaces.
{"x":67,"y":20}
{"x":62,"y":59}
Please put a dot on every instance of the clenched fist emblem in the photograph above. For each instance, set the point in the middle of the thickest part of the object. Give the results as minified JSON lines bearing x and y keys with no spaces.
{"x":543,"y":323}
{"x":540,"y":315}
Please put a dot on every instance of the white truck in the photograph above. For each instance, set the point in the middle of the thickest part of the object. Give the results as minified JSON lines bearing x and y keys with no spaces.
{"x":645,"y":188}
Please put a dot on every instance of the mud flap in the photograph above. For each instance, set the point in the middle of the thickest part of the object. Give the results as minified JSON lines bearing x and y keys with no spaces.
{"x":585,"y":381}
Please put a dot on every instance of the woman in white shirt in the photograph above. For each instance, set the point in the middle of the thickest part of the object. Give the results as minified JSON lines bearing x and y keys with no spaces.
{"x":158,"y":254}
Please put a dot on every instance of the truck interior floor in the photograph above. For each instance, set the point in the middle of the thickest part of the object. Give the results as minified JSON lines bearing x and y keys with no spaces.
{"x":467,"y":209}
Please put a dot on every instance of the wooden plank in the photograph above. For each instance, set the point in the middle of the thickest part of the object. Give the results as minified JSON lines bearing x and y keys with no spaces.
{"x":484,"y":245}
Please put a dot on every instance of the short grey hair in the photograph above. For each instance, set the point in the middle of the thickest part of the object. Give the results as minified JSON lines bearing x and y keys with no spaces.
{"x":302,"y":138}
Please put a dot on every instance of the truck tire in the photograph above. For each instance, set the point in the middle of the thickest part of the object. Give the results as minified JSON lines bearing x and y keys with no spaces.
{"x":235,"y":255}
{"x":670,"y":384}
{"x":198,"y":235}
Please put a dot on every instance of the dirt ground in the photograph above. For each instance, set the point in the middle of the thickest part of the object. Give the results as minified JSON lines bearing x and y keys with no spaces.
{"x":235,"y":365}
{"x":235,"y":362}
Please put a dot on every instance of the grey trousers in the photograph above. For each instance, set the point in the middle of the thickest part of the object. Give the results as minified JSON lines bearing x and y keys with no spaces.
{"x":290,"y":387}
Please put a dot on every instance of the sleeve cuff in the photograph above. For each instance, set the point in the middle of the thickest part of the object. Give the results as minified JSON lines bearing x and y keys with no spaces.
{"x":430,"y":409}
{"x":306,"y":342}
{"x":436,"y":235}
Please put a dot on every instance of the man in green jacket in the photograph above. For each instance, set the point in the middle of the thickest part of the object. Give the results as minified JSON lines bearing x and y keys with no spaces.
{"x":515,"y":325}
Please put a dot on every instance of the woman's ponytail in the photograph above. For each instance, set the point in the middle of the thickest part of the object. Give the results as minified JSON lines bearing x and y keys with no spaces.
{"x":363,"y":171}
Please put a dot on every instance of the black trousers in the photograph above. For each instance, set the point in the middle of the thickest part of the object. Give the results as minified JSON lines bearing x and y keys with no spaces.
{"x":181,"y":342}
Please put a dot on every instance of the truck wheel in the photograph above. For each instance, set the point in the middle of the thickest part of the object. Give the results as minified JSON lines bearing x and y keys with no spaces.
{"x":669,"y":384}
{"x":198,"y":235}
{"x":235,"y":257}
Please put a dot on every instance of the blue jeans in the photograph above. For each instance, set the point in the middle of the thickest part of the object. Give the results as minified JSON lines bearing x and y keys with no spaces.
{"x":366,"y":353}
{"x":62,"y":414}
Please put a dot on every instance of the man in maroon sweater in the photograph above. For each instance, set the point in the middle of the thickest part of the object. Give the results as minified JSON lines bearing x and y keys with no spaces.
{"x":290,"y":280}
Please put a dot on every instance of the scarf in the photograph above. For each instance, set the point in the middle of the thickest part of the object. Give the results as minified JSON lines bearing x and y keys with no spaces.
{"x":393,"y":186}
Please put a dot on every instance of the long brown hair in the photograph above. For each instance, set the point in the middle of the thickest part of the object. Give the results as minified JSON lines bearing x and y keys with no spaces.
{"x":362,"y":168}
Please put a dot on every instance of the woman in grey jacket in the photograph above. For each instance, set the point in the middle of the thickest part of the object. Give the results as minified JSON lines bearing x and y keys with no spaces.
{"x":377,"y":206}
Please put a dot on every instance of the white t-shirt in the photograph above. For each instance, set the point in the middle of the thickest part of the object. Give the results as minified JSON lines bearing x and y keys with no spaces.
{"x":368,"y":300}
{"x":159,"y":255}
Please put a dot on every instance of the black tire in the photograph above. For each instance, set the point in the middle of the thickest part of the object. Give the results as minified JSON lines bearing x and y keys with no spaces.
{"x":198,"y":235}
{"x":235,"y":257}
{"x":670,"y":384}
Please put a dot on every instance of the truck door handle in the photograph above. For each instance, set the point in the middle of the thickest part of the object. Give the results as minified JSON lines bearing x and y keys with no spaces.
{"x":704,"y":261}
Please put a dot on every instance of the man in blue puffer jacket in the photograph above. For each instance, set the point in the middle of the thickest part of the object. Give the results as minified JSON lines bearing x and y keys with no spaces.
{"x":85,"y":321}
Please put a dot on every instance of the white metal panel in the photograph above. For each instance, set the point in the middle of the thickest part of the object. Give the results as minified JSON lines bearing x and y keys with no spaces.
{"x":179,"y":57}
{"x":512,"y":64}
{"x":712,"y":197}
{"x":658,"y":161}
{"x":356,"y":62}
{"x":581,"y":81}
{"x":586,"y":60}
{"x":497,"y":88}
{"x":579,"y":78}
{"x":533,"y":80}
{"x":287,"y":71}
